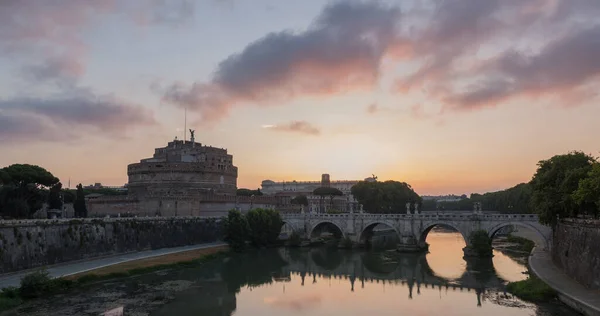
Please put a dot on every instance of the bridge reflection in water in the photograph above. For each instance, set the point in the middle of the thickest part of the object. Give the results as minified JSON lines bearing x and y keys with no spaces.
{"x":411,"y":270}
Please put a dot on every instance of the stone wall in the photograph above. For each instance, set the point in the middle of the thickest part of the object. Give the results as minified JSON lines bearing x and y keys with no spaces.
{"x":201,"y":205}
{"x":36,"y":243}
{"x":576,"y":250}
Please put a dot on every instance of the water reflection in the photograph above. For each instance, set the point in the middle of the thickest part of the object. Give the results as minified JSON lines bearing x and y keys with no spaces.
{"x":328,"y":281}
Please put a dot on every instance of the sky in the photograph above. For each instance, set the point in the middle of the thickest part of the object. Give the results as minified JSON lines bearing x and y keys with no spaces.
{"x":451,"y":96}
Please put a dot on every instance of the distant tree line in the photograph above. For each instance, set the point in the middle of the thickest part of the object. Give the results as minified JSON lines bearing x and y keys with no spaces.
{"x":248,"y":192}
{"x":563,"y":186}
{"x":515,"y":200}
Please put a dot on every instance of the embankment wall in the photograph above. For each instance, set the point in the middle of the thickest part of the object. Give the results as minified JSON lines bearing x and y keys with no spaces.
{"x":36,"y":243}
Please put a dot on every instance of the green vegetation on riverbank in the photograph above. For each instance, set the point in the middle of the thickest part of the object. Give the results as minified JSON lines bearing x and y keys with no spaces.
{"x":522,"y":244}
{"x":40,"y":284}
{"x":260,"y":227}
{"x":532,"y":289}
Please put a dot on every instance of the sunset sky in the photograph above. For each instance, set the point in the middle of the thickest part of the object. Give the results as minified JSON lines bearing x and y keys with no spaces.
{"x":454,"y":96}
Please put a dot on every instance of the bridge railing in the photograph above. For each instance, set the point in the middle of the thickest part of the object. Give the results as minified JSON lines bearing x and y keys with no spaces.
{"x":444,"y":215}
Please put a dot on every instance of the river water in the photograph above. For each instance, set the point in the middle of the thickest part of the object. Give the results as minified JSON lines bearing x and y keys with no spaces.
{"x":316,"y":281}
{"x":325,"y":281}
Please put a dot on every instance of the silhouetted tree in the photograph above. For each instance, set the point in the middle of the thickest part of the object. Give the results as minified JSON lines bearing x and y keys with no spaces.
{"x":54,"y":199}
{"x":385,"y":197}
{"x":79,"y":205}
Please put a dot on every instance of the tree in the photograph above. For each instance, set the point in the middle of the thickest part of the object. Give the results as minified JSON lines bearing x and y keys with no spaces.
{"x":236,"y":230}
{"x":554,"y":183}
{"x":328,"y":191}
{"x":4,"y":177}
{"x":264,"y":226}
{"x":26,"y":175}
{"x":588,"y":192}
{"x":481,"y":243}
{"x":248,"y":192}
{"x":385,"y":197}
{"x":79,"y":205}
{"x":54,"y":198}
{"x":300,"y":200}
{"x":24,"y":189}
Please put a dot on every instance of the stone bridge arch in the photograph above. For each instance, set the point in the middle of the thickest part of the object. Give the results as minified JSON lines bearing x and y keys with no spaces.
{"x":367,"y":229}
{"x":422,"y":234}
{"x":293,"y":226}
{"x":543,"y":232}
{"x":325,"y":222}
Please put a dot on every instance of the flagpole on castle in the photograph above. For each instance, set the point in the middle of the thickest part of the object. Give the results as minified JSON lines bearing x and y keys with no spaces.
{"x":184,"y":124}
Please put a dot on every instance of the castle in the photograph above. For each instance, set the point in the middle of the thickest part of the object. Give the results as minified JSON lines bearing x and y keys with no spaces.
{"x":185,"y":178}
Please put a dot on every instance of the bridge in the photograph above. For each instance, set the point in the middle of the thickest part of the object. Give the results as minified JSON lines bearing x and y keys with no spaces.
{"x":412,"y":229}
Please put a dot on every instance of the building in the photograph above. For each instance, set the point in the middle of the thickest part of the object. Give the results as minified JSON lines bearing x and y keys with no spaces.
{"x":291,"y":189}
{"x":185,"y":178}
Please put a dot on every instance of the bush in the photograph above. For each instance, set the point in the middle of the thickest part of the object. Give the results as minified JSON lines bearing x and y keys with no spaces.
{"x":295,"y":240}
{"x":40,"y":283}
{"x":9,"y":292}
{"x":265,"y":226}
{"x":236,"y":230}
{"x":35,"y":284}
{"x":532,"y":289}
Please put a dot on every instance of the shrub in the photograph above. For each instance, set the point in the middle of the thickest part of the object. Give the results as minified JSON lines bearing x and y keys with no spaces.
{"x":236,"y":230}
{"x":9,"y":292}
{"x":35,"y":284}
{"x":265,"y":226}
{"x":40,"y":283}
{"x":532,"y":289}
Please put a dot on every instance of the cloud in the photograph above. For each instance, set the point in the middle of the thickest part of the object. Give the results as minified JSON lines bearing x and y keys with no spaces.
{"x":341,"y":51}
{"x":45,"y":40}
{"x":68,"y":117}
{"x":47,"y":37}
{"x":302,"y":127}
{"x":563,"y":67}
{"x":448,"y":45}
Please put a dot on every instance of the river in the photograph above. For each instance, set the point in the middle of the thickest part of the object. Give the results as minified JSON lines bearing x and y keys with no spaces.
{"x":317,"y":281}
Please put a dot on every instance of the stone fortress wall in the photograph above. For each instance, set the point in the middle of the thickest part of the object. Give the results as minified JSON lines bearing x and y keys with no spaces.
{"x":35,"y":243}
{"x":573,"y":240}
{"x":201,"y":205}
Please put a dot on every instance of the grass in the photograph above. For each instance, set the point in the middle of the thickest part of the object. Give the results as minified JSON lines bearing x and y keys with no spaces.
{"x":182,"y":259}
{"x":40,"y":284}
{"x":524,"y":244}
{"x":532,"y":289}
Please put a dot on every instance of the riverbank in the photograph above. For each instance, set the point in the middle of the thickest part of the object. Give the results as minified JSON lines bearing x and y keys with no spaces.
{"x":548,"y":282}
{"x":569,"y":291}
{"x":41,"y":284}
